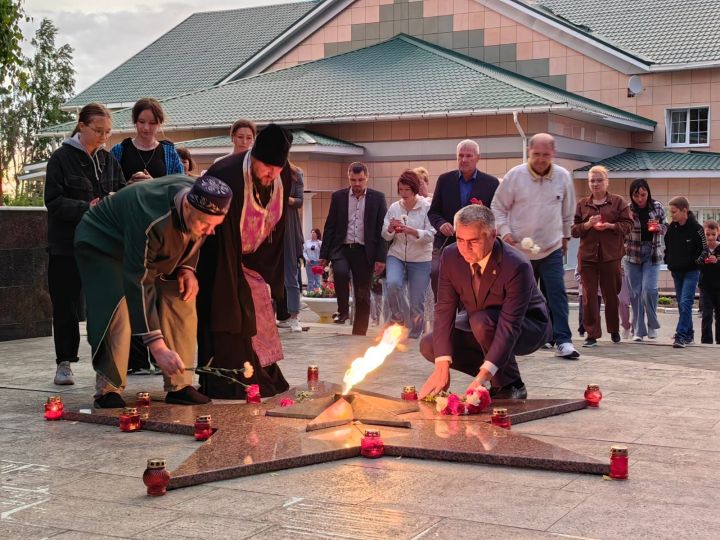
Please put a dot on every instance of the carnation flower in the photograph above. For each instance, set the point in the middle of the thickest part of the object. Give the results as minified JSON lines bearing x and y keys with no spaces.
{"x":440,"y":403}
{"x":476,"y":201}
{"x":317,"y":270}
{"x":476,"y":400}
{"x":253,"y":390}
{"x":286,"y":402}
{"x":455,"y":406}
{"x":527,"y":243}
{"x":535,"y":249}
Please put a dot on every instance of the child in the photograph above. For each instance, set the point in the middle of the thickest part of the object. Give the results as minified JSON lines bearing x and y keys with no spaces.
{"x":684,"y":246}
{"x":710,"y":283}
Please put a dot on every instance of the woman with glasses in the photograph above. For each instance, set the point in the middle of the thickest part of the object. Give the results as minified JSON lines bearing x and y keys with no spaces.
{"x":143,"y":157}
{"x":409,"y":258}
{"x":602,"y":220}
{"x":79,"y":175}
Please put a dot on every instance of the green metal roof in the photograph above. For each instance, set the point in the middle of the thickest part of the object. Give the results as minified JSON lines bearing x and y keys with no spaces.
{"x":639,"y":160}
{"x":403,"y":77}
{"x":199,"y":52}
{"x":661,"y":31}
{"x":300,"y":138}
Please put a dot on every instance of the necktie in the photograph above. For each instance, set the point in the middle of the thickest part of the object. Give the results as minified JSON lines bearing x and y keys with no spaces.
{"x":476,"y":279}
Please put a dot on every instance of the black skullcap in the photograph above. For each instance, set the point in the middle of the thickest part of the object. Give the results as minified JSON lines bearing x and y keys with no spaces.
{"x":210,"y":195}
{"x":272,"y":145}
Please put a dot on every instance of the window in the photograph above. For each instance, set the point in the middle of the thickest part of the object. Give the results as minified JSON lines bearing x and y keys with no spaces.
{"x":688,"y":127}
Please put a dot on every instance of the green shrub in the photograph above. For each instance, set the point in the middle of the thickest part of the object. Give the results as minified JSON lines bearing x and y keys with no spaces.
{"x":664,"y":301}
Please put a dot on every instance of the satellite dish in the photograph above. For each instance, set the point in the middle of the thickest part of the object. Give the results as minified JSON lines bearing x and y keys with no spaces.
{"x":634,"y":86}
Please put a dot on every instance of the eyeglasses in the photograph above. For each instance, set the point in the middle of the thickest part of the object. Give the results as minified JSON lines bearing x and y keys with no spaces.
{"x":99,"y":131}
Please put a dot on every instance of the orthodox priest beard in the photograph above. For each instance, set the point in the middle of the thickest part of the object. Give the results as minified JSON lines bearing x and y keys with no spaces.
{"x":262,"y":193}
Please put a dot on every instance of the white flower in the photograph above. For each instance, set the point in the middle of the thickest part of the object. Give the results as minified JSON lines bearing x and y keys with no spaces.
{"x":535,"y":249}
{"x":527,"y":243}
{"x":472,"y":399}
{"x":440,"y":403}
{"x":248,"y":370}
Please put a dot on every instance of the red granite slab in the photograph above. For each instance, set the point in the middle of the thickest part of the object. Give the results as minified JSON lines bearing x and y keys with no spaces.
{"x":248,"y":440}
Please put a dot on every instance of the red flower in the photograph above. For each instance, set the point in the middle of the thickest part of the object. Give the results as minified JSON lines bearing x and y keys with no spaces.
{"x":455,"y":406}
{"x":317,"y":270}
{"x":286,"y":402}
{"x":253,"y":390}
{"x":476,"y":201}
{"x":477,"y":400}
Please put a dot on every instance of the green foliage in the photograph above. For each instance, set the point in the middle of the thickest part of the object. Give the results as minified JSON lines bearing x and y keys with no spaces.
{"x":39,"y":86}
{"x":11,"y":59}
{"x":664,"y":301}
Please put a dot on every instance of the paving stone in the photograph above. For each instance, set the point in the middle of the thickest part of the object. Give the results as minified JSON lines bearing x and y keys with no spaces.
{"x":204,"y":526}
{"x":17,"y":531}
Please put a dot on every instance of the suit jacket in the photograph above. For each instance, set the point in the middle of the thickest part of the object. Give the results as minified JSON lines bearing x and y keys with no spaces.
{"x":508,"y":284}
{"x":446,"y":200}
{"x":337,"y":220}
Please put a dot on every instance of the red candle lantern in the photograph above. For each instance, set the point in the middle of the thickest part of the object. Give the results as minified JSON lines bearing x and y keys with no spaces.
{"x":313,"y":374}
{"x":371,"y":445}
{"x":593,"y":395}
{"x":653,"y":226}
{"x":253,"y":393}
{"x":130,"y":419}
{"x":409,"y":393}
{"x":156,"y":477}
{"x":54,"y":408}
{"x":619,"y":462}
{"x":203,"y":429}
{"x":500,"y":418}
{"x":708,"y":260}
{"x":142,"y":399}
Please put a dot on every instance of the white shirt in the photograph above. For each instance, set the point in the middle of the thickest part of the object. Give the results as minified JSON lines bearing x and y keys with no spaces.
{"x":309,"y":253}
{"x":406,"y":247}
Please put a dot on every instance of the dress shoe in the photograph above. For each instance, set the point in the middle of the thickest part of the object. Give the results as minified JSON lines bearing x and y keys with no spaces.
{"x":590,"y":342}
{"x":341,"y":319}
{"x":187,"y":396}
{"x":615,"y":336}
{"x":509,"y":391}
{"x":111,"y":400}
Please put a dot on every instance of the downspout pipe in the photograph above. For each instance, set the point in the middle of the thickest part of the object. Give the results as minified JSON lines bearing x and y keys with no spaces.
{"x":522,"y":136}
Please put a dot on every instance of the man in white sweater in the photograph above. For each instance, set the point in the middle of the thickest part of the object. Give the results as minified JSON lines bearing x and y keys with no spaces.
{"x":534,"y":208}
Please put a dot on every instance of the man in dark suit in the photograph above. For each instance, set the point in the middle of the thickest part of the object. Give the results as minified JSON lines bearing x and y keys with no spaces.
{"x":454,"y":190}
{"x":352,"y":241}
{"x":504,"y":313}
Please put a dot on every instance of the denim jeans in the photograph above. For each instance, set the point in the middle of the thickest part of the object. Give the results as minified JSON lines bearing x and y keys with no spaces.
{"x":292,"y":286}
{"x":643,"y":278}
{"x":685,"y":285}
{"x":418,"y":278}
{"x":551,"y":272}
{"x":313,"y":281}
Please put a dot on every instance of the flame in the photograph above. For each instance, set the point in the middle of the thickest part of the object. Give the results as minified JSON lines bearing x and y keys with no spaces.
{"x":374,"y":356}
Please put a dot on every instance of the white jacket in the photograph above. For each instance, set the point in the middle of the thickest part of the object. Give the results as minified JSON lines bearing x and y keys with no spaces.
{"x":405,"y":246}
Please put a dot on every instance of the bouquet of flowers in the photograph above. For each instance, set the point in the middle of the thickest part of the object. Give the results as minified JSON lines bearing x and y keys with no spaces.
{"x":529,"y":244}
{"x":473,"y":402}
{"x":326,"y":288}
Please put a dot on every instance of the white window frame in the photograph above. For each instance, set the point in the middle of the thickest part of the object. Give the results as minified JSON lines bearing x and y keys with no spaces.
{"x":668,"y":127}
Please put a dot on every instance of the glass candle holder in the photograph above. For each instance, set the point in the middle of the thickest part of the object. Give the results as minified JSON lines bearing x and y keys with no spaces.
{"x":156,"y":477}
{"x":619,"y":462}
{"x":313,"y":373}
{"x":130,"y":419}
{"x":142,"y":399}
{"x":593,"y":395}
{"x":54,"y":408}
{"x":409,"y":393}
{"x":252,"y":393}
{"x":203,"y":427}
{"x":653,"y":227}
{"x":500,"y":418}
{"x":371,"y":445}
{"x":708,"y":260}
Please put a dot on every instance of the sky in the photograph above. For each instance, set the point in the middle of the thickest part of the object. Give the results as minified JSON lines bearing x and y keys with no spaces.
{"x":104,"y":34}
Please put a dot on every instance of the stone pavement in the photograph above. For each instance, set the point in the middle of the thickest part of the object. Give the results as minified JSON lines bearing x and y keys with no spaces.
{"x":76,"y":480}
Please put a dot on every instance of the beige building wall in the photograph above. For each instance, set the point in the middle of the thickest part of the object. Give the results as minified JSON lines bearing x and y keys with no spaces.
{"x":469,"y":27}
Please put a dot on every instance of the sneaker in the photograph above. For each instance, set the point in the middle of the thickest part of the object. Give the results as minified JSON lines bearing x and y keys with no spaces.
{"x":678,"y":343}
{"x":187,"y":396}
{"x":111,"y":400}
{"x":64,"y":374}
{"x":689,"y":341}
{"x":626,"y":334}
{"x":637,"y":338}
{"x":567,"y":351}
{"x":590,"y":342}
{"x":295,"y":325}
{"x":547,"y":346}
{"x":284,"y":324}
{"x":615,"y":336}
{"x":652,"y":333}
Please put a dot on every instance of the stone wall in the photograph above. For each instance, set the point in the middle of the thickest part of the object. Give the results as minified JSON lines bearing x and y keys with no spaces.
{"x":25,"y":308}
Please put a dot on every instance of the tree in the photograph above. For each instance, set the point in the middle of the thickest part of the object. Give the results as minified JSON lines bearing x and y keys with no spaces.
{"x":42,"y":85}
